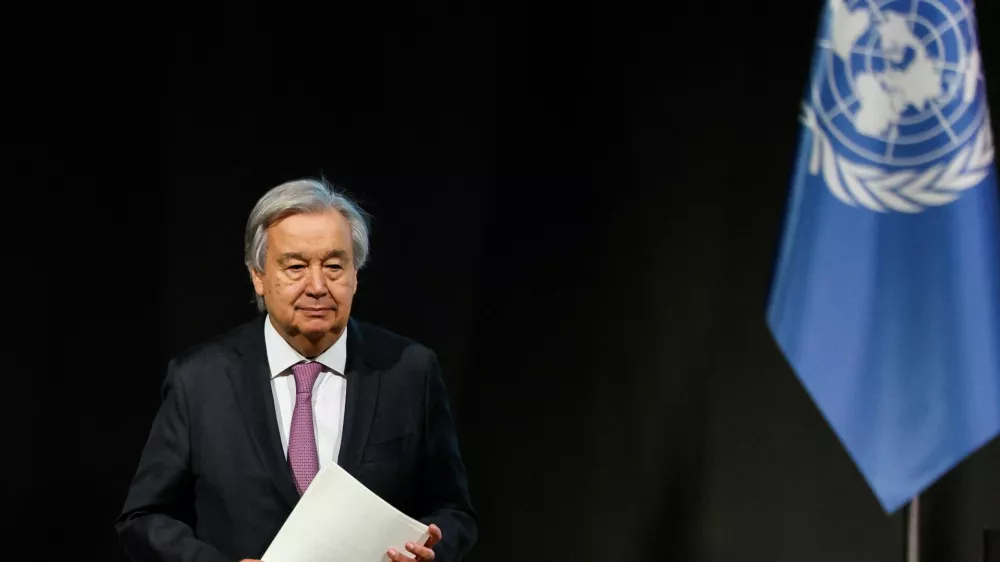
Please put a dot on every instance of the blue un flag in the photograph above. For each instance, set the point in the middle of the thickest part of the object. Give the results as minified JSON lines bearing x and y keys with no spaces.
{"x":886,"y":296}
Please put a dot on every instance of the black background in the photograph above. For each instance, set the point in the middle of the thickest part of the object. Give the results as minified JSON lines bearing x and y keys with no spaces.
{"x":576,"y":205}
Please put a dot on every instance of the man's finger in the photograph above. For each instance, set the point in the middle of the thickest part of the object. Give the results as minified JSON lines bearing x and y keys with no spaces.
{"x":422,"y":552}
{"x":435,"y":537}
{"x":397,"y":556}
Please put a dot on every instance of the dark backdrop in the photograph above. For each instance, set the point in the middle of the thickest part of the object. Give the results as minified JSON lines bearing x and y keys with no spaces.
{"x":576,"y":205}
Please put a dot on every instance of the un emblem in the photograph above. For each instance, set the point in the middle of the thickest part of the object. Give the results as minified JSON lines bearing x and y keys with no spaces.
{"x":897,"y":108}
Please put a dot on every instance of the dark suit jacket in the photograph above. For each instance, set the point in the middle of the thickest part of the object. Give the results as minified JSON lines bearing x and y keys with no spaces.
{"x":213,"y":484}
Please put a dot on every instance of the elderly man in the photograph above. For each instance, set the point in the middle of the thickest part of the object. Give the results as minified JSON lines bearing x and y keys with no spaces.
{"x":249,"y":418}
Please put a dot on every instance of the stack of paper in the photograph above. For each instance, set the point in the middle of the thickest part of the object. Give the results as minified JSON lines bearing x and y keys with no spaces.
{"x":338,"y":519}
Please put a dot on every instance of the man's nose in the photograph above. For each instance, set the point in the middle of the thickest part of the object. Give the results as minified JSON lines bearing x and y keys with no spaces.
{"x":316,"y":284}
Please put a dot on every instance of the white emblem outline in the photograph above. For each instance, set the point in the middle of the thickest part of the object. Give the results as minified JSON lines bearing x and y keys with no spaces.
{"x":904,"y":190}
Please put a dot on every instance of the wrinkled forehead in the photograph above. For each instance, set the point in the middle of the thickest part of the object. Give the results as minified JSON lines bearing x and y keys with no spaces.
{"x":317,"y":235}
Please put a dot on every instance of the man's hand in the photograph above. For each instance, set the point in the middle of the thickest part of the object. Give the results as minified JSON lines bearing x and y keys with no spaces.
{"x":423,"y":553}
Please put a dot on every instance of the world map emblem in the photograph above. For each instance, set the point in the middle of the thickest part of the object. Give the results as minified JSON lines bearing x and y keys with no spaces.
{"x":897,"y":106}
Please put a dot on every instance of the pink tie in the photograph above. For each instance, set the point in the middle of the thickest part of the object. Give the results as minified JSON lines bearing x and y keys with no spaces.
{"x":302,"y":454}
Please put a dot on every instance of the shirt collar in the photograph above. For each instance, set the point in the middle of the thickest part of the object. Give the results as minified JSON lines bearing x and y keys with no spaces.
{"x":281,"y":356}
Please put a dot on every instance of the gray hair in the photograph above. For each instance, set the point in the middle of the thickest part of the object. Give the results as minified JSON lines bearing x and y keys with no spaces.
{"x":293,"y":198}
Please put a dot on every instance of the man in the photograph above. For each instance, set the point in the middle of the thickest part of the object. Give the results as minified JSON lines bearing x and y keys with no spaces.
{"x":248,"y":419}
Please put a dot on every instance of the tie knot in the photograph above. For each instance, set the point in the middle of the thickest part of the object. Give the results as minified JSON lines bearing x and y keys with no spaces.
{"x":305,"y":376}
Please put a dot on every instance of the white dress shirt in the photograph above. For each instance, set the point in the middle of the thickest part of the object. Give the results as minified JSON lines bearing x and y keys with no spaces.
{"x":329,"y":391}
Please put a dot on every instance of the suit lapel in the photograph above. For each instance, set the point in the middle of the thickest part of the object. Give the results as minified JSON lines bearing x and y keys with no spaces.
{"x":252,"y":382}
{"x":362,"y":396}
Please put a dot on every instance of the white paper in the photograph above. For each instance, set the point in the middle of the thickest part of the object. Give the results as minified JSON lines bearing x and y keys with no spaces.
{"x":338,"y":519}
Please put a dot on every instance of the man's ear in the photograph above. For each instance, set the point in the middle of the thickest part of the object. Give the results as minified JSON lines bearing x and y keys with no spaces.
{"x":258,"y":281}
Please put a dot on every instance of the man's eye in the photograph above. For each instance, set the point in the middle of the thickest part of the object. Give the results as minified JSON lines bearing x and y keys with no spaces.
{"x":334,"y":266}
{"x":296,"y":267}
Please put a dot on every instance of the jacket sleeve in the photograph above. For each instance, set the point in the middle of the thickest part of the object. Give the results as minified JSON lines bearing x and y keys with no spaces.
{"x":157,"y":521}
{"x":444,"y":491}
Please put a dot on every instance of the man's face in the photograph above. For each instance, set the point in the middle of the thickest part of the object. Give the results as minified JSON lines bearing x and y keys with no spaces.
{"x":309,"y":279}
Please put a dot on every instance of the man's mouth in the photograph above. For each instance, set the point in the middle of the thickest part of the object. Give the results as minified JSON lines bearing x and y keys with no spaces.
{"x":315,"y":310}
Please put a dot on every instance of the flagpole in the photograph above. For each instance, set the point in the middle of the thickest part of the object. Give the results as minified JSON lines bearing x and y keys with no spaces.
{"x":913,"y":531}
